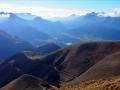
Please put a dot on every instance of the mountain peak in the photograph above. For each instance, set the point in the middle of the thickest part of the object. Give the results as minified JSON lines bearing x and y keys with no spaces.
{"x":13,"y":16}
{"x":37,"y":18}
{"x":92,"y":14}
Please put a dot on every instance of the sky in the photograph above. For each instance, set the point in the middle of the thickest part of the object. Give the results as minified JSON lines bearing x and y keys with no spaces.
{"x":55,"y":8}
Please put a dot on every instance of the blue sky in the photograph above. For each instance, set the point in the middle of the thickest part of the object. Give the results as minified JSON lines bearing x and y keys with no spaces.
{"x":53,"y":5}
{"x":85,"y":4}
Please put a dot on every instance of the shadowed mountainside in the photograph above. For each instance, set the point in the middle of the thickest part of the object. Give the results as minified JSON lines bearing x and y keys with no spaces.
{"x":107,"y":67}
{"x":26,"y":82}
{"x":47,"y":48}
{"x":21,"y":28}
{"x":64,"y":65}
{"x":10,"y":45}
{"x":71,"y":29}
{"x":96,"y":77}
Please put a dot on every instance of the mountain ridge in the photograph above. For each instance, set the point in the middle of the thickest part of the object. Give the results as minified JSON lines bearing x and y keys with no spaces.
{"x":56,"y":67}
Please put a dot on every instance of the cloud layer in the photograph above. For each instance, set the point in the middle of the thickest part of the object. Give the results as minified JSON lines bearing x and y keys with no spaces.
{"x":114,"y":13}
{"x":52,"y":12}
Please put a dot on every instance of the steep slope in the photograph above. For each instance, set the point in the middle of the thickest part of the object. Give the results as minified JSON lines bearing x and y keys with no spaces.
{"x":82,"y":57}
{"x":22,"y":63}
{"x":72,"y":29}
{"x":21,"y":28}
{"x":51,"y":28}
{"x":96,"y":77}
{"x":11,"y":45}
{"x":112,"y":83}
{"x":107,"y":67}
{"x":92,"y":26}
{"x":63,"y":65}
{"x":26,"y":82}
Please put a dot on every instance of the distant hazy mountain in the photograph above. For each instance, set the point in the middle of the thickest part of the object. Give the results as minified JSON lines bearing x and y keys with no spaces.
{"x":93,"y":27}
{"x":26,"y":16}
{"x":71,"y":29}
{"x":63,"y":19}
{"x":11,"y":45}
{"x":90,"y":27}
{"x":54,"y":29}
{"x":47,"y":48}
{"x":46,"y":26}
{"x":22,"y":29}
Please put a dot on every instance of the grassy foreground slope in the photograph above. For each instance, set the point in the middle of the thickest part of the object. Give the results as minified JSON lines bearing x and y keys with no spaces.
{"x":105,"y":75}
{"x":101,"y":84}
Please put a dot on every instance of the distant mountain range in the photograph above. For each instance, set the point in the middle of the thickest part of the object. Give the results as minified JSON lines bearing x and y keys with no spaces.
{"x":71,"y":29}
{"x":97,"y":27}
{"x":11,"y":45}
{"x":22,"y":29}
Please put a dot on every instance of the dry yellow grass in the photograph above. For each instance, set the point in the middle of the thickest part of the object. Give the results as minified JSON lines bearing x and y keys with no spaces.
{"x":103,"y":84}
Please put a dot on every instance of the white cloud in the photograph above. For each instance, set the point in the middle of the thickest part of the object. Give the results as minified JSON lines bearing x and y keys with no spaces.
{"x":114,"y":13}
{"x":46,"y":12}
{"x":41,"y":11}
